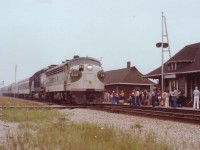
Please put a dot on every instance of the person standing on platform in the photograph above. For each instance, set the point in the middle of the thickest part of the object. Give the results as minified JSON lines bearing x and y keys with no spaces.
{"x":106,"y":96}
{"x":133,"y":98}
{"x":196,"y":94}
{"x":159,"y":94}
{"x":137,"y":97}
{"x":145,"y":97}
{"x":130,"y":100}
{"x":165,"y":96}
{"x":114,"y":97}
{"x":174,"y":97}
{"x":121,"y":97}
{"x":153,"y":97}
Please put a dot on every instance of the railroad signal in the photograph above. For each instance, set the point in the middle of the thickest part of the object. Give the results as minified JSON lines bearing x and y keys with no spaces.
{"x":164,"y":45}
{"x":158,"y":45}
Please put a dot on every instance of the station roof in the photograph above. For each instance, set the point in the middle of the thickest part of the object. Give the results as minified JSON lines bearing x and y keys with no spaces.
{"x":128,"y":76}
{"x":187,"y":61}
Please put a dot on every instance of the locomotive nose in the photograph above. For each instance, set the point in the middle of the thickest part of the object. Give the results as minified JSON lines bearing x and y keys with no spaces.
{"x":90,"y":81}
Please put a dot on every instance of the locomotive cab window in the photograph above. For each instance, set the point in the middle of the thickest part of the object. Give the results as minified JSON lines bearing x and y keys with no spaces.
{"x":81,"y":67}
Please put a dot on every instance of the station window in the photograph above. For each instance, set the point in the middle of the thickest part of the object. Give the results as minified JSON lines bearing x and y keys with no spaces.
{"x":175,"y":66}
{"x":169,"y":67}
{"x":172,"y":66}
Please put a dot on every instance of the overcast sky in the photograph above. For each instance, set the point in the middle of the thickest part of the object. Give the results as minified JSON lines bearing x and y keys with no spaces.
{"x":37,"y":33}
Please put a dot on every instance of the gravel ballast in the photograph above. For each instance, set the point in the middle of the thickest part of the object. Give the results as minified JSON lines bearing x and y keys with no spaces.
{"x":182,"y":135}
{"x":7,"y":128}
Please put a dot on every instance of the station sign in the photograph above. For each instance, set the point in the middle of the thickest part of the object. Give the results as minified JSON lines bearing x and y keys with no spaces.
{"x":170,"y":76}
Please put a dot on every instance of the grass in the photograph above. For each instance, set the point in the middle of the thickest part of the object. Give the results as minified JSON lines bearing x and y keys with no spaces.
{"x":25,"y":115}
{"x":10,"y":101}
{"x":50,"y":130}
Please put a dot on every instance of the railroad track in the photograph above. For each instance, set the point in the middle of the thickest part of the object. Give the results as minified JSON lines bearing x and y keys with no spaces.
{"x":44,"y":107}
{"x":180,"y":115}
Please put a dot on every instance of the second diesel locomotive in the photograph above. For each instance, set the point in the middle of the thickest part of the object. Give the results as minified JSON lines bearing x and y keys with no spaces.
{"x":79,"y":80}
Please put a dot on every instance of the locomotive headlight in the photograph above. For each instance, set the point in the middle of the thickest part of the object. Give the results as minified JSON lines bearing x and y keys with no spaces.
{"x":89,"y":67}
{"x":101,"y":75}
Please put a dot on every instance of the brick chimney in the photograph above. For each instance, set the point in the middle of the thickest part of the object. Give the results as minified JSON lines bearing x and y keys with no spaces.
{"x":128,"y":64}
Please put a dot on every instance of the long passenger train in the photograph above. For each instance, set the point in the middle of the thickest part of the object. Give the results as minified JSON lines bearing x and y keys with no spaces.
{"x":79,"y":80}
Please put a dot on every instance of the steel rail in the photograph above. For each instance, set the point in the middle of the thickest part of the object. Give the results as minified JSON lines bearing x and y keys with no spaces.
{"x":42,"y":107}
{"x":180,"y":115}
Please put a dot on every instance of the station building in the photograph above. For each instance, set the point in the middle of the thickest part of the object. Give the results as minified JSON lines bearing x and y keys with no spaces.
{"x":182,"y":71}
{"x":126,"y":79}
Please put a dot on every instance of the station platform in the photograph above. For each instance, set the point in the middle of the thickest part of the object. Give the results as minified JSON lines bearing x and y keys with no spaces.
{"x":182,"y":107}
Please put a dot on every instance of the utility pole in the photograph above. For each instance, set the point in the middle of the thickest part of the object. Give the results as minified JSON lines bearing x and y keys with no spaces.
{"x":15,"y":76}
{"x":1,"y":84}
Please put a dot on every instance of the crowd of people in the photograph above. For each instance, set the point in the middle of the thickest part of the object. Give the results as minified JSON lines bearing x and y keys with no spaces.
{"x":155,"y":97}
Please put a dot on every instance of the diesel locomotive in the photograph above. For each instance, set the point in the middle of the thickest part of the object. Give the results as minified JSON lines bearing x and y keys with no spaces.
{"x":79,"y":80}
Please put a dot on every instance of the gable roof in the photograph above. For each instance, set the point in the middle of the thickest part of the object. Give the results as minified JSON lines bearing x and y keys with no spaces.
{"x":189,"y":57}
{"x":129,"y":76}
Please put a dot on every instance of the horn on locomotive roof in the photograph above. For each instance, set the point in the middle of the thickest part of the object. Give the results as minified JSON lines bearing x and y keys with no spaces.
{"x":76,"y":56}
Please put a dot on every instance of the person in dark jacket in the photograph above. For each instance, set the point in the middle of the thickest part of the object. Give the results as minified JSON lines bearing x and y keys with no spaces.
{"x":153,"y":97}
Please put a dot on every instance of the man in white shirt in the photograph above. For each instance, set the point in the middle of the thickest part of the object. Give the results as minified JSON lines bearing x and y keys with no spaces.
{"x":196,"y":94}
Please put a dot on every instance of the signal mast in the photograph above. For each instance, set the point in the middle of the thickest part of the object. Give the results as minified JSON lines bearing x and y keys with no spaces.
{"x":165,"y":47}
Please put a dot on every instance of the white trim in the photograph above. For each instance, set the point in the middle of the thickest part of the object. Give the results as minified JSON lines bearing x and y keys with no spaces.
{"x":185,"y":86}
{"x":169,"y":76}
{"x":179,"y":61}
{"x":187,"y":72}
{"x":191,"y":87}
{"x":170,"y":85}
{"x":175,"y":66}
{"x":176,"y":83}
{"x":150,"y":76}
